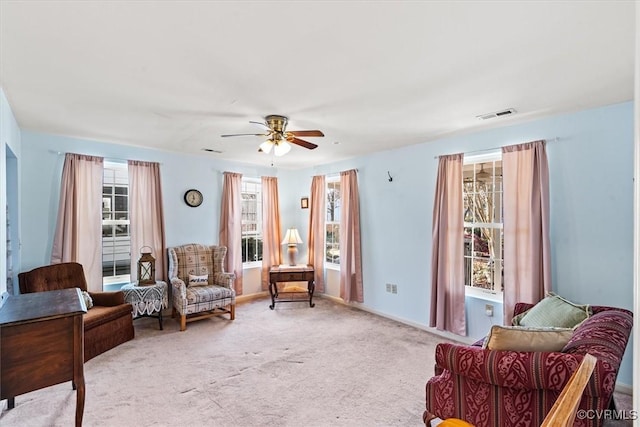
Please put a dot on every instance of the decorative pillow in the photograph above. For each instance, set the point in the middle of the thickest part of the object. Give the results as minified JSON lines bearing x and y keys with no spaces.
{"x":198,"y":280}
{"x":516,"y":338}
{"x":553,"y":311}
{"x":88,"y":301}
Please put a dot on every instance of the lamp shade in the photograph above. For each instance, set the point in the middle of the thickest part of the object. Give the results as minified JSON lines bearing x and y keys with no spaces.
{"x":292,"y":237}
{"x":282,"y":147}
{"x":266,"y":146}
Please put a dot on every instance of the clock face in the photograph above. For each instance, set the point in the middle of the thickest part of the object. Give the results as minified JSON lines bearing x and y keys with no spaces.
{"x":193,"y":198}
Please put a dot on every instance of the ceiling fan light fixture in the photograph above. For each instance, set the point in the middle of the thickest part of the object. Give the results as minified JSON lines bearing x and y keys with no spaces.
{"x":266,"y":146}
{"x":281,"y":148}
{"x":279,"y":139}
{"x":483,"y":175}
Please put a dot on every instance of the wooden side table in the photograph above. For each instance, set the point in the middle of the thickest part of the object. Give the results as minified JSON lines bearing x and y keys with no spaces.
{"x":286,"y":273}
{"x":147,"y":301}
{"x":42,"y":344}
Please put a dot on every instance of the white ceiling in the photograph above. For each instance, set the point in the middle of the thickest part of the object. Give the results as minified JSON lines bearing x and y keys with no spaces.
{"x":371,"y":75}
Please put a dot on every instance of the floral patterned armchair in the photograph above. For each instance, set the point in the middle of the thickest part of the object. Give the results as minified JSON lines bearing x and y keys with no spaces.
{"x":213,"y":296}
{"x":511,"y":388}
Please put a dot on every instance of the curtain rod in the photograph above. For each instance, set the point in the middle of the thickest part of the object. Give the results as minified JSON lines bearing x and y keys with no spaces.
{"x":336,"y":173}
{"x":485,"y":150}
{"x":107,"y":159}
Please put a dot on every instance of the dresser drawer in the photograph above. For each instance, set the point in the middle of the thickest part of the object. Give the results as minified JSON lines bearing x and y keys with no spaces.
{"x":301,"y":276}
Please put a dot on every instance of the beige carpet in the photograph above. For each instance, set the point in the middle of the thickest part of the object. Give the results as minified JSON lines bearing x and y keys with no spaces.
{"x":294,"y":366}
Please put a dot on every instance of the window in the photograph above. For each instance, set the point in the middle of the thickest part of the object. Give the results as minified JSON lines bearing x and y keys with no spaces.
{"x":483,"y":233}
{"x":116,"y":240}
{"x":251,"y":220}
{"x":332,"y":223}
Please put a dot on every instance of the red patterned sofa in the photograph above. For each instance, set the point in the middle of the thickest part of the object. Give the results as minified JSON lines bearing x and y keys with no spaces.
{"x":509,"y":388}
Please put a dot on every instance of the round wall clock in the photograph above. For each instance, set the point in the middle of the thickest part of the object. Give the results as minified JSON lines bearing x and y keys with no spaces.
{"x":193,"y":198}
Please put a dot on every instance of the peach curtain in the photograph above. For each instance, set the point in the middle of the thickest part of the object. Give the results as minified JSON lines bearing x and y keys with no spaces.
{"x":527,"y":252}
{"x":146,"y":215}
{"x":350,"y":251}
{"x":231,"y":226}
{"x":271,"y":232}
{"x":78,"y":233}
{"x":317,"y":215}
{"x":447,"y":251}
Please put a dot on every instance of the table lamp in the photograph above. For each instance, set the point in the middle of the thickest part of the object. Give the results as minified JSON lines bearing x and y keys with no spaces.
{"x":292,"y":239}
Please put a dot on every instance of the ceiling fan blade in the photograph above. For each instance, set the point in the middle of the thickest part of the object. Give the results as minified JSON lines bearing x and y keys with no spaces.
{"x":301,"y":142}
{"x":246,"y":134}
{"x":305,"y":132}
{"x":260,"y":123}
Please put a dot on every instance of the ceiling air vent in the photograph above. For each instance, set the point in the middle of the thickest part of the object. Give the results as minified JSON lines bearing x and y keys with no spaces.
{"x":487,"y":116}
{"x":211,"y":150}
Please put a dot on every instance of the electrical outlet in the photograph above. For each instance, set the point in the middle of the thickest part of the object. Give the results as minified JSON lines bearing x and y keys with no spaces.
{"x":488,"y":310}
{"x":394,"y":289}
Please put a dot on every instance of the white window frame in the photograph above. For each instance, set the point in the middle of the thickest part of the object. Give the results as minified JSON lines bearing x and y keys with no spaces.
{"x":329,"y":181}
{"x":495,"y":294}
{"x":258,"y":234}
{"x":119,"y":245}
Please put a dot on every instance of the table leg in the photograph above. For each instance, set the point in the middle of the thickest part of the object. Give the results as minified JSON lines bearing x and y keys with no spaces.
{"x":78,"y":367}
{"x":311,"y":286}
{"x":80,"y":403}
{"x":160,"y":318}
{"x":272,"y":293}
{"x":11,"y":403}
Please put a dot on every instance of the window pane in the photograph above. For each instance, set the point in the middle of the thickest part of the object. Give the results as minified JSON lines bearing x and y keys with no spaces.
{"x":116,"y":241}
{"x":483,"y":235}
{"x":121,"y":203}
{"x":122,"y":230}
{"x":251,"y":249}
{"x":251,"y":220}
{"x":482,"y":273}
{"x":332,"y":249}
{"x":333,"y":202}
{"x":107,"y":231}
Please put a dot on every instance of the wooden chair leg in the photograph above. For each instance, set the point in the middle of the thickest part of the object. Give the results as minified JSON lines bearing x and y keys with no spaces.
{"x":183,"y":322}
{"x":232,"y":311}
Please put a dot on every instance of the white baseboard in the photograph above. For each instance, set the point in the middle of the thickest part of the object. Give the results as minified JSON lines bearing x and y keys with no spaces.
{"x":624,"y":388}
{"x":448,"y":335}
{"x":620,"y":388}
{"x":247,"y":298}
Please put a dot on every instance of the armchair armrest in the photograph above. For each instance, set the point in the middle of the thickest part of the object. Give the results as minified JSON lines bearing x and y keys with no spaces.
{"x":179,"y":287}
{"x":224,"y":279}
{"x":519,"y":370}
{"x":107,"y":299}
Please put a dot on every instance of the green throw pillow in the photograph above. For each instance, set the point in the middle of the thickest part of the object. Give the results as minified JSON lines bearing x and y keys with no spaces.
{"x":553,"y":311}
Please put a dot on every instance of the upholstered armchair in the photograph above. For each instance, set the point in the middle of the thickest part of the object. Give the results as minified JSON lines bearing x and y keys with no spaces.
{"x":200,"y":286}
{"x":108,"y":323}
{"x":518,"y":388}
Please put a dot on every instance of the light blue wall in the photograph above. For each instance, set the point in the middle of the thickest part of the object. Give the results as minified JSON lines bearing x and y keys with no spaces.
{"x":44,"y":155}
{"x":591,"y":170}
{"x":9,"y":184}
{"x":591,"y":191}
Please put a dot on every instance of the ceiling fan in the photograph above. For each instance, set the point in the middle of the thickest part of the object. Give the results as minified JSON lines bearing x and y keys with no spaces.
{"x":278,"y":137}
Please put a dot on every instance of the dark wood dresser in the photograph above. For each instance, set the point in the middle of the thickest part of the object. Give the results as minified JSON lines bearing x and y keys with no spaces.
{"x":41,"y":344}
